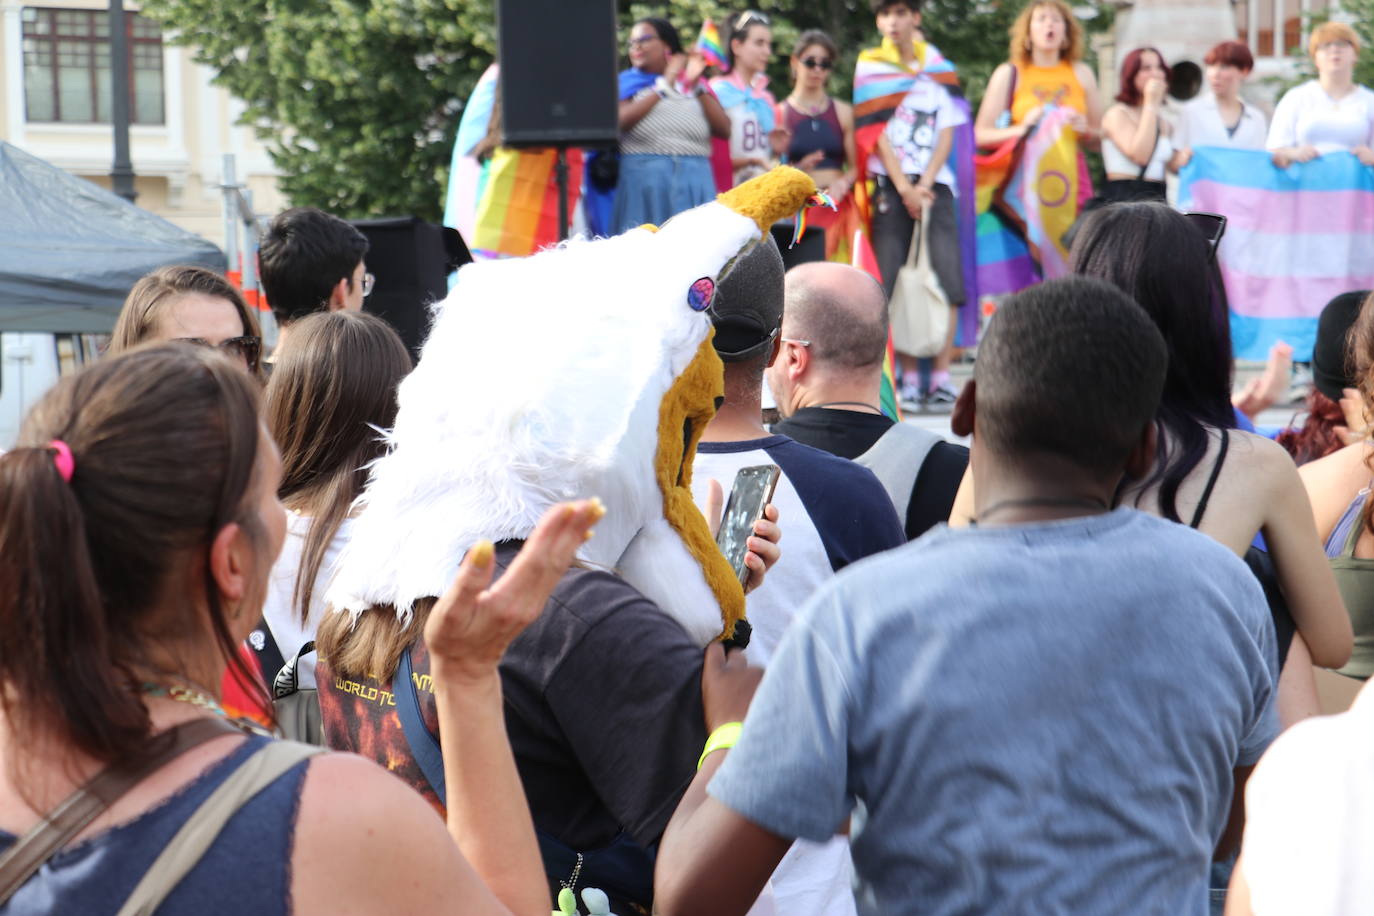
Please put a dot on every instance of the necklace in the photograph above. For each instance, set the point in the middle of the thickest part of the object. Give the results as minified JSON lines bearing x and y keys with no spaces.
{"x":1075,"y":502}
{"x":872,"y":407}
{"x":184,"y":694}
{"x":813,"y":110}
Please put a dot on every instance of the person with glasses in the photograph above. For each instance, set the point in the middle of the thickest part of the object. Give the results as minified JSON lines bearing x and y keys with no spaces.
{"x":312,"y":261}
{"x":667,"y":120}
{"x":745,"y":98}
{"x":1330,"y":113}
{"x":820,"y":141}
{"x":191,"y":304}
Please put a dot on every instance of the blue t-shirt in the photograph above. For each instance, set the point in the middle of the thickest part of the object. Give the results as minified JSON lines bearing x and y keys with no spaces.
{"x":1031,"y":719}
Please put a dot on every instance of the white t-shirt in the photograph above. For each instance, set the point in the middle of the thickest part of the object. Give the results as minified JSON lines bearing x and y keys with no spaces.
{"x":279,"y":609}
{"x":1307,"y":116}
{"x":914,"y":129}
{"x":1200,"y":123}
{"x":1309,"y":810}
{"x":1115,"y":162}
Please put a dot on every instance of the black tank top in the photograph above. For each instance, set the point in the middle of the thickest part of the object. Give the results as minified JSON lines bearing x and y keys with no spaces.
{"x":815,"y":132}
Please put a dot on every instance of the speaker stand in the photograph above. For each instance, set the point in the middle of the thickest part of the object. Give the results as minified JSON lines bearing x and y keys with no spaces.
{"x":560,"y":174}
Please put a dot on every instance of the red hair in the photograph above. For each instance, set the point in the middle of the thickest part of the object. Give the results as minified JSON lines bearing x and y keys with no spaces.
{"x":1129,"y":95}
{"x":1317,"y":437}
{"x":1231,"y":54}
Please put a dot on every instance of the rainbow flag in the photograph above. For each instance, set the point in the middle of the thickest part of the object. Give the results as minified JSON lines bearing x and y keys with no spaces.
{"x":709,"y":46}
{"x":466,"y":174}
{"x":881,"y":81}
{"x":864,"y":259}
{"x":1295,"y":238}
{"x":517,"y":210}
{"x":1004,"y":261}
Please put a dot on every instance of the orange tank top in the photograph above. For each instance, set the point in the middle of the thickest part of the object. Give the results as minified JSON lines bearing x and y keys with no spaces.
{"x":1046,"y":85}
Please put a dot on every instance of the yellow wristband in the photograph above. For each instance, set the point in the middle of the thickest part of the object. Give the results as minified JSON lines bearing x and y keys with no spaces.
{"x":723,"y":737}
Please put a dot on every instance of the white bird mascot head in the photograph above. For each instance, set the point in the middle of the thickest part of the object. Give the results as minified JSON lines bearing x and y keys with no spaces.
{"x":583,"y":370}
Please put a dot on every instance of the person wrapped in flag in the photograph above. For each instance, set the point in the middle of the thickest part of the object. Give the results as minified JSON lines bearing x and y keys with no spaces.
{"x":907,"y":92}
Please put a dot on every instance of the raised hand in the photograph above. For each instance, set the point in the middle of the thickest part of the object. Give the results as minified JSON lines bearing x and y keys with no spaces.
{"x":472,"y":624}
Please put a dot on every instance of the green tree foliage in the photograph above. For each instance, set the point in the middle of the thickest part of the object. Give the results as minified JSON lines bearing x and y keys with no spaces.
{"x":358,"y":100}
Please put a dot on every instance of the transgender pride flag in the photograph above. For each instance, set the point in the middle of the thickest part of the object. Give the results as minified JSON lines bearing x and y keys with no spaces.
{"x":1295,"y":238}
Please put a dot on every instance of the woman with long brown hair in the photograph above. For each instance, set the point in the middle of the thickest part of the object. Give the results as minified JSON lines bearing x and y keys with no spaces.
{"x":138,"y":521}
{"x":331,"y":396}
{"x":191,"y":304}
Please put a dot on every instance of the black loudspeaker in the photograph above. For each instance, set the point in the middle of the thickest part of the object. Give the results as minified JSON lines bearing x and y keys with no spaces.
{"x":411,"y":260}
{"x":558,"y":72}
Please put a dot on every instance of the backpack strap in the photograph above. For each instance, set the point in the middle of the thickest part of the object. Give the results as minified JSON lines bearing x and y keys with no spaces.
{"x":424,"y":747}
{"x":92,"y":799}
{"x":896,"y":460}
{"x":263,"y":767}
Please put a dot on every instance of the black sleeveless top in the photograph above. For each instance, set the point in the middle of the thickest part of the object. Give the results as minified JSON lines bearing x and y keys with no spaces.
{"x":1259,"y":562}
{"x":815,"y":132}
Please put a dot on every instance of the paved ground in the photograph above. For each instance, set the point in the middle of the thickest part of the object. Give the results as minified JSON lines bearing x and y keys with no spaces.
{"x":939,"y":422}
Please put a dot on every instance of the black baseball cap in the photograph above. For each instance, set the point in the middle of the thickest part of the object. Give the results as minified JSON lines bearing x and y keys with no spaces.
{"x":747,"y":308}
{"x":1330,"y":371}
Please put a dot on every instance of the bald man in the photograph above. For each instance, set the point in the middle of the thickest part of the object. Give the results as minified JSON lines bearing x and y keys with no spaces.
{"x":827,"y":378}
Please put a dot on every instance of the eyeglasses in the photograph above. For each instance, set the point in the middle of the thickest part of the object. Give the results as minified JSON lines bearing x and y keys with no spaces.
{"x":1339,"y":44}
{"x":800,"y":343}
{"x":245,"y":348}
{"x":1212,"y":226}
{"x":817,"y":63}
{"x":369,"y":281}
{"x":643,"y":40}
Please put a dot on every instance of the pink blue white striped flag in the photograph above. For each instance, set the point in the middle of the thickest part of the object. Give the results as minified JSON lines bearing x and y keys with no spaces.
{"x":1295,"y":238}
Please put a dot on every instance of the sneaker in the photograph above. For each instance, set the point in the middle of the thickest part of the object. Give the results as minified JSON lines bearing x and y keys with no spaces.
{"x":941,"y":397}
{"x":911,"y":398}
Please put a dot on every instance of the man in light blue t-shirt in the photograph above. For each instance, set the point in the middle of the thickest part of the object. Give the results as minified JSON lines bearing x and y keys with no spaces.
{"x":1049,"y":713}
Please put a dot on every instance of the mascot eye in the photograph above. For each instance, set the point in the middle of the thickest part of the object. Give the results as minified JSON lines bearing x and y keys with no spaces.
{"x":700,"y":294}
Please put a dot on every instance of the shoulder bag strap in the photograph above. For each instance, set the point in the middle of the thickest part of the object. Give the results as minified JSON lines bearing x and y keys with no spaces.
{"x":88,"y":802}
{"x":262,"y":768}
{"x":424,"y":747}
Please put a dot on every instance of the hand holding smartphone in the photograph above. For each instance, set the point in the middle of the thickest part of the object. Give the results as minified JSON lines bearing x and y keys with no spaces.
{"x":751,"y":493}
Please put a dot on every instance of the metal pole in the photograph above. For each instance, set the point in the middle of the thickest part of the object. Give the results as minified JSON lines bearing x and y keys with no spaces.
{"x":560,"y":171}
{"x":122,"y":175}
{"x":229,"y":188}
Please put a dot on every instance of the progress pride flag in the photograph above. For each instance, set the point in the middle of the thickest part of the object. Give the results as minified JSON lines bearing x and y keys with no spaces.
{"x":1295,"y":238}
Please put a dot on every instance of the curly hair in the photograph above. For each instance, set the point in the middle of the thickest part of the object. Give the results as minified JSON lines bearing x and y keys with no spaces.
{"x":1019,"y":51}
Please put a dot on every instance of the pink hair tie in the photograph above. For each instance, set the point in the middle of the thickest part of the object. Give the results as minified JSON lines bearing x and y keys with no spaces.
{"x":63,"y":460}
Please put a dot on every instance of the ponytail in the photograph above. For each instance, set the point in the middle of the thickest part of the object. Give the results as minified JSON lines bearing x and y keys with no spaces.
{"x":125,"y":471}
{"x":52,"y":623}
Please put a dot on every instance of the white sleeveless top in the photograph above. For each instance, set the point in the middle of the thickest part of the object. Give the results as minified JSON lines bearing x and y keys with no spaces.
{"x":1118,"y":163}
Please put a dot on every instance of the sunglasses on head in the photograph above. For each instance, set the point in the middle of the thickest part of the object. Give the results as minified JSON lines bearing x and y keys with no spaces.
{"x":1212,"y":226}
{"x":245,"y":348}
{"x":817,"y":63}
{"x":749,"y":18}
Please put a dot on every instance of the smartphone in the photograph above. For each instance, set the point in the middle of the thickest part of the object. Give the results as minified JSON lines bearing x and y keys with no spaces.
{"x":753,"y":490}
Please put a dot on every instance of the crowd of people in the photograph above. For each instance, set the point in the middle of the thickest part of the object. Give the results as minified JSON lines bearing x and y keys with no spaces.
{"x":1033,"y":674}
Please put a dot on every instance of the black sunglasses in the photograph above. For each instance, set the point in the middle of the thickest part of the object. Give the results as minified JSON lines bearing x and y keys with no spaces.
{"x":245,"y":348}
{"x":1212,"y":226}
{"x":817,"y":63}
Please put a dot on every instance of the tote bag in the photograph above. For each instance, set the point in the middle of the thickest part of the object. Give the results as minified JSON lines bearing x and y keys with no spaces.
{"x":919,"y":308}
